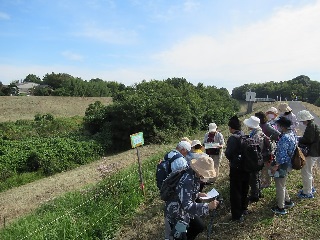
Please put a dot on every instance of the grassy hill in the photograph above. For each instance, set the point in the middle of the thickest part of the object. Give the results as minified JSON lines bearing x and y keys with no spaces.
{"x":14,"y":108}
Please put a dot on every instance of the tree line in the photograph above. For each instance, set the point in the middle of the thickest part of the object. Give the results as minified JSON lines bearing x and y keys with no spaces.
{"x":299,"y":88}
{"x":63,"y":84}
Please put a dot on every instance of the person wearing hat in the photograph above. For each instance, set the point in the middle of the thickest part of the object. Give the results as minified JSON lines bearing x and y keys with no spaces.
{"x":195,"y":153}
{"x":286,"y":111}
{"x":215,"y":140}
{"x":271,"y":115}
{"x":281,"y":166}
{"x":253,"y":124}
{"x":273,"y":135}
{"x":312,"y":140}
{"x":182,"y":148}
{"x":239,"y":179}
{"x":185,"y":208}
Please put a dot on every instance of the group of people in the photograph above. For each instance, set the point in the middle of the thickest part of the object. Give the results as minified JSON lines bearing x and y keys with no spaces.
{"x":201,"y":160}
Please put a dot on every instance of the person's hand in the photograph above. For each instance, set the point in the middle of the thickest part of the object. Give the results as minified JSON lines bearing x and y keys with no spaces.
{"x":274,"y":169}
{"x":213,"y":205}
{"x":201,"y":194}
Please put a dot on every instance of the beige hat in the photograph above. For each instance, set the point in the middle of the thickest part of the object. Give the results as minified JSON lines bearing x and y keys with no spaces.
{"x":212,"y":127}
{"x":204,"y":166}
{"x":252,"y":122}
{"x":195,"y":142}
{"x":284,"y":107}
{"x":304,"y":115}
{"x":186,"y":139}
{"x":272,"y":110}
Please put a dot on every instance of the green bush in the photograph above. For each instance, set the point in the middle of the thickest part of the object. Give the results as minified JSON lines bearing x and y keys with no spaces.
{"x":162,"y":110}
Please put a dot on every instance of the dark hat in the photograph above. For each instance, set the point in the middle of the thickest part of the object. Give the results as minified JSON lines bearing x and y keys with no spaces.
{"x":284,"y":122}
{"x":234,"y":123}
{"x":262,"y":116}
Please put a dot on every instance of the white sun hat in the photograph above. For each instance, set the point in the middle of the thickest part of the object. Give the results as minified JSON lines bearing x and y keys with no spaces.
{"x":212,"y":127}
{"x":252,"y":122}
{"x":304,"y":115}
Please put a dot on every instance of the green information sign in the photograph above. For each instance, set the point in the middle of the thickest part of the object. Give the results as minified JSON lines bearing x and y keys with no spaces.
{"x":137,"y":139}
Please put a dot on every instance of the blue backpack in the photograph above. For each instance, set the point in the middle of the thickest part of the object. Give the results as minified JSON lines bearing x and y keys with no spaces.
{"x":164,"y":168}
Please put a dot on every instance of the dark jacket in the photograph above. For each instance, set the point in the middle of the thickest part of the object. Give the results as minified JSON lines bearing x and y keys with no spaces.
{"x":271,"y":132}
{"x":311,"y":137}
{"x":233,"y":149}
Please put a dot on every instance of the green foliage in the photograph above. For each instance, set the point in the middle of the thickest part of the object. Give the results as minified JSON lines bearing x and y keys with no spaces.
{"x":162,"y":110}
{"x":301,"y":87}
{"x":50,"y":155}
{"x":317,"y":102}
{"x":96,"y":213}
{"x":45,"y":146}
{"x":44,"y":117}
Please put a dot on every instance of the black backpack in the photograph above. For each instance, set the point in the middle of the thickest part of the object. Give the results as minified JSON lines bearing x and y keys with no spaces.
{"x":168,"y":187}
{"x":251,"y":157}
{"x":164,"y":168}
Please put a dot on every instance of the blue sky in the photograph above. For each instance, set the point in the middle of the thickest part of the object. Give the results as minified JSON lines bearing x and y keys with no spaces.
{"x":225,"y":43}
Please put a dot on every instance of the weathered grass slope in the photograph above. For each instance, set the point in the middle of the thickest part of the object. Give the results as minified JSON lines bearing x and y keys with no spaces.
{"x":14,"y":108}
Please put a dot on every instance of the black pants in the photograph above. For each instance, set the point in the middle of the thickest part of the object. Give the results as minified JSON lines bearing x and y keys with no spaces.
{"x":196,"y":226}
{"x":255,"y":185}
{"x":239,"y":188}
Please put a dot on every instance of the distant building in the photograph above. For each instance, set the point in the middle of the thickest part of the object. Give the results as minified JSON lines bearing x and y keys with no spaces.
{"x":27,"y":87}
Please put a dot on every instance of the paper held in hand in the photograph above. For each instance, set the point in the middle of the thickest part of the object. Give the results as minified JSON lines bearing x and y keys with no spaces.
{"x":212,"y":194}
{"x":211,"y":145}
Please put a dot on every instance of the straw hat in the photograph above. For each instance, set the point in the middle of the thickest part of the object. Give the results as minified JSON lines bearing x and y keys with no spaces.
{"x":252,"y":122}
{"x":284,"y":107}
{"x":204,"y":166}
{"x":186,"y":139}
{"x":304,"y":115}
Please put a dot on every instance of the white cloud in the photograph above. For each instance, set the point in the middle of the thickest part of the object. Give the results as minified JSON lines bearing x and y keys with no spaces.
{"x":4,"y":16}
{"x":270,"y":50}
{"x":72,"y":56}
{"x":118,"y":36}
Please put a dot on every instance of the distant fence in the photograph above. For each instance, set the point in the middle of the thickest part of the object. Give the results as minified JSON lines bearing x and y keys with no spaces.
{"x":265,"y":100}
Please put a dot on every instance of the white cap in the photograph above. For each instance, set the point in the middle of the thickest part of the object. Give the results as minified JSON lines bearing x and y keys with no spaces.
{"x":252,"y":122}
{"x":185,"y":145}
{"x":195,"y":142}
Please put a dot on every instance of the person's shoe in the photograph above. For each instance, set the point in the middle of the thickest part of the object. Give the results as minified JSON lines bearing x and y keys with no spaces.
{"x":246,"y":212}
{"x":313,"y":191}
{"x":237,"y":220}
{"x":278,"y":210}
{"x":253,"y":199}
{"x":303,"y":195}
{"x":288,"y":204}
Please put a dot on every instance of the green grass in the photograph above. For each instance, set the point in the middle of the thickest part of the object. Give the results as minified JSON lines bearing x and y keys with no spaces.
{"x":93,"y":213}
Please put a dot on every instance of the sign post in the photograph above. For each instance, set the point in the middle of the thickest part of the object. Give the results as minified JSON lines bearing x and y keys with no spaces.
{"x":137,"y":141}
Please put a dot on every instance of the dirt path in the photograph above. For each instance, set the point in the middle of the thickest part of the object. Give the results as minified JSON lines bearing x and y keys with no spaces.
{"x":22,"y":200}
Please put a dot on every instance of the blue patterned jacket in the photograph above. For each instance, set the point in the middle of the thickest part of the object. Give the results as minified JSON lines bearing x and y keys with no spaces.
{"x":185,"y":206}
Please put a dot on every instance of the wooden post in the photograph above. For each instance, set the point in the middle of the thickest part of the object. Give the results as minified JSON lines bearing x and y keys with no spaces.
{"x":140,"y":173}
